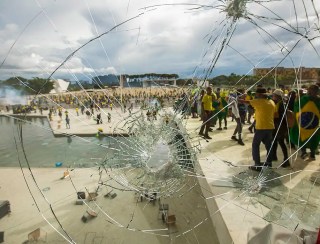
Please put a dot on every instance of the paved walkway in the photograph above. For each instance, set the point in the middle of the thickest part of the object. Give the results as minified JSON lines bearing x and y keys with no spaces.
{"x":83,"y":125}
{"x":224,"y":163}
{"x":235,"y":206}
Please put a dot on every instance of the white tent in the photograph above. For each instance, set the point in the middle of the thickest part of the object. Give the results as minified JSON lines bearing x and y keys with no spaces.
{"x":59,"y":86}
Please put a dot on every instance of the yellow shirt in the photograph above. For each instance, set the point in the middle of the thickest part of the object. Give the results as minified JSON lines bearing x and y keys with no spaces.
{"x":276,"y":110}
{"x":214,"y":97}
{"x":207,"y":102}
{"x":264,"y":113}
{"x":248,"y":98}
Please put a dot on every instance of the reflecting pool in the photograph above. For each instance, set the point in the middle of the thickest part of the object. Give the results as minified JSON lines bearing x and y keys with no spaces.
{"x":43,"y":149}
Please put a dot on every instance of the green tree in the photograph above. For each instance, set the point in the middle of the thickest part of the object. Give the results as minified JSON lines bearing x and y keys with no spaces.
{"x":16,"y":83}
{"x":39,"y":85}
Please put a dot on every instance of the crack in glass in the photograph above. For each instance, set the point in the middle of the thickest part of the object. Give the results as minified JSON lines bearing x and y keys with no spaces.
{"x":160,"y":158}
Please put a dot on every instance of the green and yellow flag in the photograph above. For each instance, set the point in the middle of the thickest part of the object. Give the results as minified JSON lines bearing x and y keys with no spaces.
{"x":307,"y":122}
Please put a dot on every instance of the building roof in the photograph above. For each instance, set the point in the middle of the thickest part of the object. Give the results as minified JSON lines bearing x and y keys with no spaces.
{"x":59,"y":86}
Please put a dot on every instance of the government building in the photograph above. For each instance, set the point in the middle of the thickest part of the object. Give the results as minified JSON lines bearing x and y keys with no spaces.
{"x":303,"y":73}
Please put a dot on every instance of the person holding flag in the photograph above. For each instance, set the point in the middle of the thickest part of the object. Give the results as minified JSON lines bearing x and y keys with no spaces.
{"x":305,"y":133}
{"x":223,"y":111}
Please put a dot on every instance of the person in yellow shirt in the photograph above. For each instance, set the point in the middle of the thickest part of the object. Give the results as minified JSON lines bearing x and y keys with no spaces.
{"x":222,"y":111}
{"x":264,"y":115}
{"x":207,"y":113}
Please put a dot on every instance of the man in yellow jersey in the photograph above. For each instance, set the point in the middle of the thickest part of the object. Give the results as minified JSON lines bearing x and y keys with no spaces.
{"x":264,"y":115}
{"x":207,"y":108}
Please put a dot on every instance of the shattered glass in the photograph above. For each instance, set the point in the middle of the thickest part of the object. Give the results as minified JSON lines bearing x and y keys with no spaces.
{"x":147,"y":162}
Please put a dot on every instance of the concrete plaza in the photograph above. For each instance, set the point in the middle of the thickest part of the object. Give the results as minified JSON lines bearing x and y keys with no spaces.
{"x":233,"y":211}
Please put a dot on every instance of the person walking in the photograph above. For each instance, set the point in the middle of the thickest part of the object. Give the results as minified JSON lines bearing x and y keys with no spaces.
{"x":99,"y":119}
{"x":280,"y":132}
{"x":264,"y":116}
{"x":223,"y":111}
{"x":60,"y":113}
{"x":207,"y":113}
{"x":200,"y":111}
{"x":305,"y":133}
{"x":250,"y":109}
{"x":67,"y":122}
{"x":233,"y":100}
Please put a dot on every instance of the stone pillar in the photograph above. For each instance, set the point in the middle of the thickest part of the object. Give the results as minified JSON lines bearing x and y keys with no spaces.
{"x":121,"y":81}
{"x":144,"y":84}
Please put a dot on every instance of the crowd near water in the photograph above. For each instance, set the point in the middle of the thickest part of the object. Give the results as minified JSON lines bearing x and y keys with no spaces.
{"x":283,"y":116}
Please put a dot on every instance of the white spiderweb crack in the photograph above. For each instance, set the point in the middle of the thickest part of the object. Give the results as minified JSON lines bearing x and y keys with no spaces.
{"x":153,"y":159}
{"x":157,"y":154}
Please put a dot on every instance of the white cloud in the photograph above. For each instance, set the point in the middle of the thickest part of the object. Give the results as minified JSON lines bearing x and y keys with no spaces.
{"x":166,"y":39}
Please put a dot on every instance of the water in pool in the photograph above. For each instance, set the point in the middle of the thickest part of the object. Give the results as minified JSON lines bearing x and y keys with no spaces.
{"x":45,"y":150}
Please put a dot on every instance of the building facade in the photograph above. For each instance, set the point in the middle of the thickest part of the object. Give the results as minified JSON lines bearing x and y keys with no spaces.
{"x":302,"y":73}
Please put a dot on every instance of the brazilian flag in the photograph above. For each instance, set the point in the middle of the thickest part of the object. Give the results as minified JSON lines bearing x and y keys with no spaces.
{"x":307,"y":121}
{"x":222,"y":103}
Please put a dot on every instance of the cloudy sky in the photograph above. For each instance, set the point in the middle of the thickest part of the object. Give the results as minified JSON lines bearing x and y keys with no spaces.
{"x":148,"y":36}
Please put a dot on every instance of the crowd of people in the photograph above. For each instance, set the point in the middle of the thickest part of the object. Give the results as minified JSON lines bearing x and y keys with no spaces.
{"x":281,"y":117}
{"x":109,"y":98}
{"x":90,"y":102}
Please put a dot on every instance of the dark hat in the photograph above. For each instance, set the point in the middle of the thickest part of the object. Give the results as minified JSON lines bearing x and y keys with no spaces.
{"x":261,"y":90}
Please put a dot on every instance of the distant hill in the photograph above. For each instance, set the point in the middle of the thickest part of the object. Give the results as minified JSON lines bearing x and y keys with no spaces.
{"x":106,"y":80}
